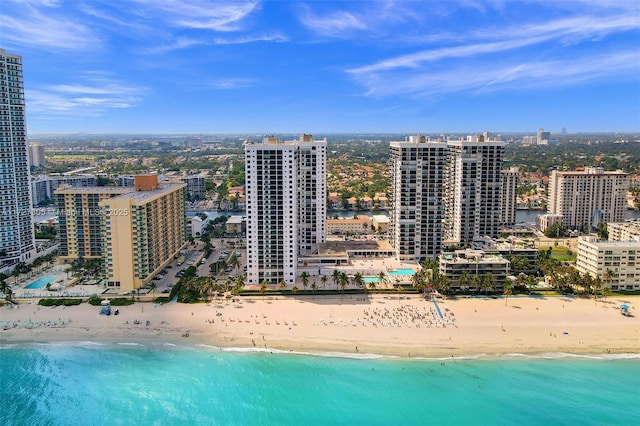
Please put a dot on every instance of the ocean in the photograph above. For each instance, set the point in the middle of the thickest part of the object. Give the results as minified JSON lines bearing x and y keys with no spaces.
{"x":131,"y":384}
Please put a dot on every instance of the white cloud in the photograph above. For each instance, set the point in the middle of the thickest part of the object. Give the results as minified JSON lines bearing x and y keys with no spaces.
{"x":335,"y":24}
{"x":199,"y":14}
{"x":91,"y":98}
{"x":231,"y":83}
{"x":28,"y":25}
{"x":504,"y":75}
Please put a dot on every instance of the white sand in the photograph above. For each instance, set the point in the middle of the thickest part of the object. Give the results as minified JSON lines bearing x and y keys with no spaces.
{"x":329,"y":324}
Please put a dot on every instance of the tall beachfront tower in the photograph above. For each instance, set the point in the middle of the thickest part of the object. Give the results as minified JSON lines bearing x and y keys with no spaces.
{"x":508,"y":195}
{"x":417,"y":179}
{"x":286,"y":205}
{"x":17,"y":241}
{"x":586,"y":198}
{"x":472,"y":189}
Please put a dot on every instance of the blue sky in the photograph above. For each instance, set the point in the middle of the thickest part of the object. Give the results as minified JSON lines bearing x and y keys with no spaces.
{"x":348,"y":66}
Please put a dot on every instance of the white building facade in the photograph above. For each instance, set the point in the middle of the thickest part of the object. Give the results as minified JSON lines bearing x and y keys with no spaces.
{"x":286,"y":206}
{"x":616,"y":263}
{"x":586,"y":198}
{"x":508,"y":195}
{"x":17,"y":242}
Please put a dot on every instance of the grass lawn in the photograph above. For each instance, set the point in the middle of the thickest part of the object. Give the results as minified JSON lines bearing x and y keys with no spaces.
{"x":561,"y":254}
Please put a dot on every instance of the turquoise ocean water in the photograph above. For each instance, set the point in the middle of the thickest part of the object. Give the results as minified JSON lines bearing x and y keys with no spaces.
{"x":95,"y":384}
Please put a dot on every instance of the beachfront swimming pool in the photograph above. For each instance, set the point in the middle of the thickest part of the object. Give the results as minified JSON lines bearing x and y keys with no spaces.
{"x":401,"y":271}
{"x":41,"y":282}
{"x":371,"y":279}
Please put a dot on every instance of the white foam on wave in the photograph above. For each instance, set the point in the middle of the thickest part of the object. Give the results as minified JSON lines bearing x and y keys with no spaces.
{"x":129,"y":344}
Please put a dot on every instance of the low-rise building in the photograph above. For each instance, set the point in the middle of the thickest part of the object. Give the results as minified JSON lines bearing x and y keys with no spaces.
{"x":544,"y":221}
{"x":380,"y":223}
{"x":357,"y":226}
{"x":473,"y":262}
{"x":623,"y":231}
{"x":616,"y":263}
{"x":236,"y":225}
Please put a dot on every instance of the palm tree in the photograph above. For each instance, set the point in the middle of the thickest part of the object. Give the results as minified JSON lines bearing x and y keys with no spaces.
{"x":418,"y":281}
{"x":399,"y":288}
{"x":488,"y":282}
{"x":305,"y":279}
{"x":443,"y":284}
{"x":240,"y":281}
{"x":343,"y":281}
{"x":152,"y":286}
{"x":507,"y":291}
{"x":294,"y":289}
{"x":234,"y":262}
{"x":358,"y":281}
{"x":323,"y":280}
{"x":263,"y":287}
{"x":476,"y":281}
{"x":382,"y":277}
{"x":372,"y":285}
{"x":607,"y":277}
{"x":314,"y":287}
{"x":463,"y":281}
{"x":336,"y":277}
{"x":282,"y":285}
{"x":597,"y":286}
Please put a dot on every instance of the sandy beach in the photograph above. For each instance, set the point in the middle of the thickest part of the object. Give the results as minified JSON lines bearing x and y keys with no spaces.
{"x":384,"y":325}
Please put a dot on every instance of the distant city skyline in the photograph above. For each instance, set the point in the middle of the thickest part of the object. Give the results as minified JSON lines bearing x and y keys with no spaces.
{"x":198,"y":66}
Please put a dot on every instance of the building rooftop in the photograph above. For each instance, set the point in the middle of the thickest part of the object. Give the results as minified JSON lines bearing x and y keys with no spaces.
{"x":336,"y":248}
{"x":93,"y":190}
{"x":142,"y":196}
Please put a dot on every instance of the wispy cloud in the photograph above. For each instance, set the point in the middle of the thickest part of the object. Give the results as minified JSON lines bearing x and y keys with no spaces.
{"x":565,"y":31}
{"x":40,"y":24}
{"x":200,"y":14}
{"x":334,"y":24}
{"x":531,"y":54}
{"x":232,"y":83}
{"x":91,"y":98}
{"x":514,"y":76}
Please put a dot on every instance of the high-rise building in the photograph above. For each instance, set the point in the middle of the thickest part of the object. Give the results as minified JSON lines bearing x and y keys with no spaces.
{"x":80,"y":221}
{"x":36,"y":155}
{"x":17,"y":242}
{"x":286,"y":205}
{"x":508,"y":195}
{"x":44,"y":186}
{"x":143,"y":230}
{"x":586,"y":198}
{"x":417,"y":179}
{"x":543,"y":137}
{"x":472,"y":189}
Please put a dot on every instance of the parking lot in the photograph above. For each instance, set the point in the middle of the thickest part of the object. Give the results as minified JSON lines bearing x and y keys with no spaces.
{"x":223,"y":249}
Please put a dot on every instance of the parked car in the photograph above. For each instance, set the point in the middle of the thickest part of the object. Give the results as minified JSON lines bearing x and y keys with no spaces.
{"x":158,"y":277}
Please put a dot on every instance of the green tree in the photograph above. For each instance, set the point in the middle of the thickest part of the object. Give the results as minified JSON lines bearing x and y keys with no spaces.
{"x":336,"y":277}
{"x":304,"y":277}
{"x":263,"y":287}
{"x":323,"y":280}
{"x":358,"y":280}
{"x":343,"y":281}
{"x":507,"y":291}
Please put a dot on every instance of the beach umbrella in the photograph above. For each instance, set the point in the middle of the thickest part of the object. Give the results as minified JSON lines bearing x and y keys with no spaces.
{"x":624,"y":306}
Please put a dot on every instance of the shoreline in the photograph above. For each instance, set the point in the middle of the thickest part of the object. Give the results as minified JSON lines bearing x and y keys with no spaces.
{"x":368,"y":326}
